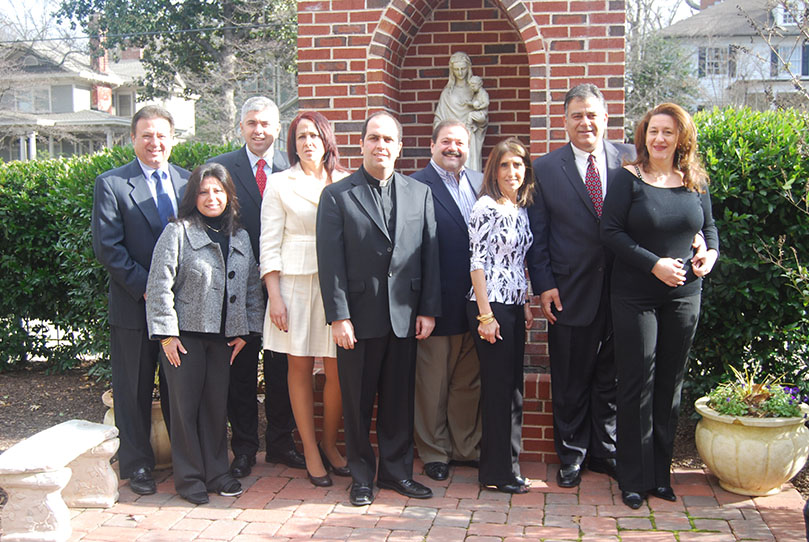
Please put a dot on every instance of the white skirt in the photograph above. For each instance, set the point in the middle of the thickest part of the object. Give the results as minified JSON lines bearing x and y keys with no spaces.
{"x":308,"y":334}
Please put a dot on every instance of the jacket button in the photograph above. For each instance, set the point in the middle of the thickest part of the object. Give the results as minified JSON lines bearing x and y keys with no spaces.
{"x":390,"y":249}
{"x":231,"y":274}
{"x":390,"y":274}
{"x":233,"y":299}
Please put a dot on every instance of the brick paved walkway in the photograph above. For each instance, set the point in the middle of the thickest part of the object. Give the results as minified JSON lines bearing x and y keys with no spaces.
{"x":280,"y":504}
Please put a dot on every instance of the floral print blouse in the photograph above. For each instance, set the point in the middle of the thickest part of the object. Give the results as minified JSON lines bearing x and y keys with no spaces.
{"x":499,"y":238}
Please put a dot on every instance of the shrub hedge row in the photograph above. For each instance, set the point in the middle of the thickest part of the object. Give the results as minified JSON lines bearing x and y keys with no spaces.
{"x":754,"y":303}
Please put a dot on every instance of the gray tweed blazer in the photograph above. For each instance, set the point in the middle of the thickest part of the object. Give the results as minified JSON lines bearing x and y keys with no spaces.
{"x":186,"y":285}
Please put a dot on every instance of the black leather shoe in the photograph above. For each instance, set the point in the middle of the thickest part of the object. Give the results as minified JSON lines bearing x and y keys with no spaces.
{"x":361,"y":494}
{"x":522,"y":480}
{"x":408,"y":488}
{"x":231,"y":489}
{"x":320,"y":481}
{"x":632,"y":499}
{"x":436,"y":470}
{"x":338,"y":471}
{"x":241,"y":466}
{"x":665,"y":493}
{"x":142,"y":482}
{"x":568,"y":475}
{"x":197,"y":498}
{"x":516,"y":488}
{"x":291,"y":458}
{"x":604,"y":465}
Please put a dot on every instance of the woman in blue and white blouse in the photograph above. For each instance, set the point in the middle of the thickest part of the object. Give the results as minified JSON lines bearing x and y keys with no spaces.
{"x":499,"y":237}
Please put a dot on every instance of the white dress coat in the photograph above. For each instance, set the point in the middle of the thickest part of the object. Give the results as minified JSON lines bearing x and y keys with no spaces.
{"x":288,"y":244}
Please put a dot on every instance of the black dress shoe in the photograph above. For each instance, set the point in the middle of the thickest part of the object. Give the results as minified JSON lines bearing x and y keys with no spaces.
{"x":632,"y":499}
{"x":241,"y":465}
{"x":665,"y":493}
{"x":522,"y":480}
{"x":436,"y":470}
{"x":604,"y":465}
{"x":338,"y":471}
{"x":196,"y":498}
{"x":361,"y":494}
{"x":291,"y":458}
{"x":142,"y":482}
{"x":320,"y":481}
{"x":408,"y":488}
{"x":516,"y":488}
{"x":569,"y":475}
{"x":231,"y":489}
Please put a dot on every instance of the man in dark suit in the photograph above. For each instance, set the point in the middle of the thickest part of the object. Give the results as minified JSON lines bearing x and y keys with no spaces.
{"x":377,"y":256}
{"x":570,"y":269}
{"x":131,"y":206}
{"x":249,"y":167}
{"x":447,"y":421}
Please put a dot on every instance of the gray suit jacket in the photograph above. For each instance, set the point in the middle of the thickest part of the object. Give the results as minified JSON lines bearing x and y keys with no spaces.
{"x":379,"y":284}
{"x":125,"y":228}
{"x":186,"y":285}
{"x":238,"y":165}
{"x":567,"y":252}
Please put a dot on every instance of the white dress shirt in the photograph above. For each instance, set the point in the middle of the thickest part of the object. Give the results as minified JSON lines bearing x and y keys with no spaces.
{"x":601,"y":164}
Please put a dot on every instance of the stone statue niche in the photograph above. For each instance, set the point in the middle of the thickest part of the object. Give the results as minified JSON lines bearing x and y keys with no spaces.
{"x":465,"y":99}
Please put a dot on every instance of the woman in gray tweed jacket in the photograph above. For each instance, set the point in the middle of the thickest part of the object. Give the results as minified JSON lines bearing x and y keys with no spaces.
{"x":200,"y":305}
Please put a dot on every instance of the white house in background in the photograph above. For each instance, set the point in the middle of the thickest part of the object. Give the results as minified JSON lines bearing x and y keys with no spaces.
{"x":66,"y":103}
{"x":733,"y":63}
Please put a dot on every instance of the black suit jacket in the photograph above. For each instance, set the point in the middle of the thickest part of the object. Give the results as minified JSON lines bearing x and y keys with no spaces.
{"x":380,"y":285}
{"x":453,"y":249}
{"x":238,"y":165}
{"x":125,"y":228}
{"x":567,"y":252}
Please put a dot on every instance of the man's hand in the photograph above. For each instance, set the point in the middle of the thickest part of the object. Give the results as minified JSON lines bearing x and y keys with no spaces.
{"x":424,"y":326}
{"x":343,"y":333}
{"x":545,"y":299}
{"x":237,"y":344}
{"x":173,"y":350}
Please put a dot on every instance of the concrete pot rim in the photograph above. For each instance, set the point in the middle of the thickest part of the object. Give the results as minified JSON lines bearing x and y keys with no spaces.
{"x":702,"y":408}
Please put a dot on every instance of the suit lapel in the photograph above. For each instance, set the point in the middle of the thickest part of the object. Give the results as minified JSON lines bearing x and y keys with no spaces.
{"x":362,"y":194}
{"x":444,"y":198}
{"x":243,"y":173}
{"x":142,"y":197}
{"x":574,"y":178}
{"x":403,"y":198}
{"x":614,"y":159}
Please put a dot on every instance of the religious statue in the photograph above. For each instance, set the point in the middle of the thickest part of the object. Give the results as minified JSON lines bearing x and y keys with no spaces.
{"x":465,"y":99}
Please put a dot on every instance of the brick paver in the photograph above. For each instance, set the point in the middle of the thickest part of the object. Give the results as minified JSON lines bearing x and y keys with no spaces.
{"x":280,"y":505}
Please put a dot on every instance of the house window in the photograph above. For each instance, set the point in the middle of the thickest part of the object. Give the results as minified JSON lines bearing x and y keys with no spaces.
{"x":123,"y":105}
{"x":36,"y":100}
{"x":794,"y":59}
{"x":717,"y":61}
{"x":789,"y":13}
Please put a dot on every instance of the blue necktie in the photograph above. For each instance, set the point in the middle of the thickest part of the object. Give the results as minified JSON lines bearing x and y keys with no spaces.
{"x":164,"y":207}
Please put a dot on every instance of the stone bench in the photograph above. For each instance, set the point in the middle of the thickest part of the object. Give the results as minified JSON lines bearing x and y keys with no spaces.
{"x":67,"y":465}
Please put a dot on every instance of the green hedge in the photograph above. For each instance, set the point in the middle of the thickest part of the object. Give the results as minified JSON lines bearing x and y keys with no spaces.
{"x":48,"y":272}
{"x":754,"y":311}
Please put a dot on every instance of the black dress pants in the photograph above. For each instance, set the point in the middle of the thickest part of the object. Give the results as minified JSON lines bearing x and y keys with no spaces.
{"x":280,"y":421}
{"x":134,"y":359}
{"x":583,"y":387}
{"x":501,"y":394}
{"x":382,"y":368}
{"x":653,"y":337}
{"x":198,"y":391}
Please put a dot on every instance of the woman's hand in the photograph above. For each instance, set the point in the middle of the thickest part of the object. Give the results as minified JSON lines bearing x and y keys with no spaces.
{"x":237,"y":344}
{"x":490,"y":332}
{"x":173,"y":349}
{"x":278,"y":313}
{"x":529,"y":315}
{"x":670,"y":271}
{"x":703,"y":262}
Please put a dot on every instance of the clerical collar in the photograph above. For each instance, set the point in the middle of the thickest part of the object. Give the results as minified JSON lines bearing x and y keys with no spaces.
{"x":373,"y":181}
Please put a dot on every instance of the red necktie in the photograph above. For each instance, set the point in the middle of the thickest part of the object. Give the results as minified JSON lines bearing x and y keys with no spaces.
{"x":261,"y":177}
{"x":592,"y":180}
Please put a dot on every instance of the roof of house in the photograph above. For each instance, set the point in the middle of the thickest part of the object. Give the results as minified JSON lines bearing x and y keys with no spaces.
{"x":88,"y":118}
{"x":725,"y":18}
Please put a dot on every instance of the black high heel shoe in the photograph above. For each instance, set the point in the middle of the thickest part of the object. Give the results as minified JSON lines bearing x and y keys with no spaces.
{"x":320,"y":481}
{"x":338,"y":471}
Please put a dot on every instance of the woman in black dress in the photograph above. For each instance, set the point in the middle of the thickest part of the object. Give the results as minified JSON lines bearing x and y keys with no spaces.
{"x":653,"y":209}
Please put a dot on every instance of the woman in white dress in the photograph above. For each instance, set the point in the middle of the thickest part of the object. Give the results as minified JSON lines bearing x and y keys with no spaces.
{"x":295,"y":322}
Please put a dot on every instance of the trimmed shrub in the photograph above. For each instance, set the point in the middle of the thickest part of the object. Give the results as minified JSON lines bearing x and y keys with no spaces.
{"x":754,"y":303}
{"x":48,"y":273}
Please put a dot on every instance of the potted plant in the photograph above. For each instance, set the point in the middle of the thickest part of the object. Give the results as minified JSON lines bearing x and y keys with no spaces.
{"x":752,"y":434}
{"x":159,"y":435}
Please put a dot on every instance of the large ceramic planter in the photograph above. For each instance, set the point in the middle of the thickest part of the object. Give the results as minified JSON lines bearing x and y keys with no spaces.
{"x":159,"y":436}
{"x":751,"y":456}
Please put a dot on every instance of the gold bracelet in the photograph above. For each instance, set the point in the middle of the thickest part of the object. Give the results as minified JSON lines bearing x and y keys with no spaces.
{"x":166,"y":341}
{"x":486,"y":320}
{"x":489,"y":316}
